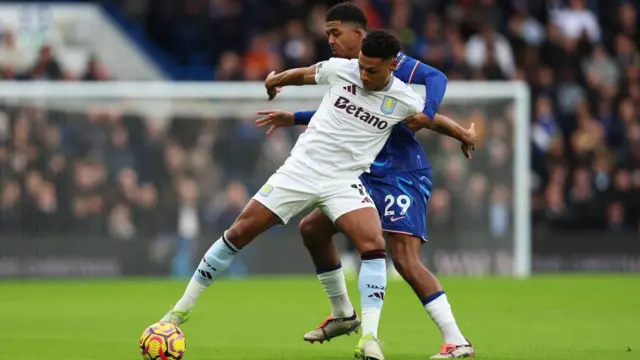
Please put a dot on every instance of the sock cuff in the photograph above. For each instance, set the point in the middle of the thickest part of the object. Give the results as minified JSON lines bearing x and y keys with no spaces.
{"x":331,"y":275}
{"x":373,"y":255}
{"x":231,"y":247}
{"x":321,"y":271}
{"x":431,"y":298}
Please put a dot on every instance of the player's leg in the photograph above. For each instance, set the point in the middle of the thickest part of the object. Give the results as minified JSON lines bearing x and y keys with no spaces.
{"x":355,"y":216}
{"x":279,"y":200}
{"x":362,"y":226}
{"x":254,"y":220}
{"x":317,"y":231}
{"x":405,"y":252}
{"x":404,"y":221}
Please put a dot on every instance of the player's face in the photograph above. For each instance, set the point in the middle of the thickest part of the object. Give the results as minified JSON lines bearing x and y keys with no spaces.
{"x":375,"y":72}
{"x":344,"y":39}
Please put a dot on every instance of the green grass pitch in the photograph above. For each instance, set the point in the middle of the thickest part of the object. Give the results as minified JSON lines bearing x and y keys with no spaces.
{"x":550,"y":318}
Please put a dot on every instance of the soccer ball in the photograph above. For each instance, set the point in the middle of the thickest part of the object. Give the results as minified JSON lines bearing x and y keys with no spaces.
{"x":163,"y":341}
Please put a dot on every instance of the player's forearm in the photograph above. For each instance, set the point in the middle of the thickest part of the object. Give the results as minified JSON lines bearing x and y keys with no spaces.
{"x":294,"y":77}
{"x":448,"y":127}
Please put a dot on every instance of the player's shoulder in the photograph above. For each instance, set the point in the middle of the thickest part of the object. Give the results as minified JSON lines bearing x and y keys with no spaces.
{"x":338,"y":63}
{"x":404,"y":59}
{"x":406,"y":64}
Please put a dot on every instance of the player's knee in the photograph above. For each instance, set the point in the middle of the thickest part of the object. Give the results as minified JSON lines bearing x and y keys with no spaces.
{"x":403,"y":261}
{"x":307,"y":228}
{"x":404,"y":254}
{"x":371,"y":247}
{"x":244,"y":230}
{"x":238,"y":233}
{"x":312,"y":234}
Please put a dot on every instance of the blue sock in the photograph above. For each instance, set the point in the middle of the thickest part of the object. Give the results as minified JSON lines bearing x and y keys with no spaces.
{"x":431,"y":297}
{"x":372,"y":285}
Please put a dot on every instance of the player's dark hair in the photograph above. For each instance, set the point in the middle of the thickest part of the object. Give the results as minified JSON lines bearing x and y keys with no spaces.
{"x":380,"y":44}
{"x":347,"y":12}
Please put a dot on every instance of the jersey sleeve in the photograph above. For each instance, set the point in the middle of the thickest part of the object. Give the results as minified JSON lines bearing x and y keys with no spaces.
{"x":412,"y":71}
{"x":326,"y":71}
{"x":303,"y":117}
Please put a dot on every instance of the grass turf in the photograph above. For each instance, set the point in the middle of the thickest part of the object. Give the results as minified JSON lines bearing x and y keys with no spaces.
{"x":559,"y":318}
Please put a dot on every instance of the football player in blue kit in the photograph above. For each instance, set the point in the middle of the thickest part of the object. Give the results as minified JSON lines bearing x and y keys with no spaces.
{"x":399,"y":182}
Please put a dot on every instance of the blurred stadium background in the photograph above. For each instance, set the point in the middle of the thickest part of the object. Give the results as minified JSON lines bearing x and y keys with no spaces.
{"x":92,"y":187}
{"x":112,"y":186}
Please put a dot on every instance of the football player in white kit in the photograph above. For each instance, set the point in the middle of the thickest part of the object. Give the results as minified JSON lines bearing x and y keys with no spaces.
{"x":352,"y":124}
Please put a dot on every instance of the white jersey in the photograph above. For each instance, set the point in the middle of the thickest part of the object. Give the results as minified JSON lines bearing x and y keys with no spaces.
{"x":352,"y":124}
{"x":342,"y":140}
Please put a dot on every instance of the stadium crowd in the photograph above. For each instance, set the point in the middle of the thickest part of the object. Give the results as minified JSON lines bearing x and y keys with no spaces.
{"x":105,"y":170}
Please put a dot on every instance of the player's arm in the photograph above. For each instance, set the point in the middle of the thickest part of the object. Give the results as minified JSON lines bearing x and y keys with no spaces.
{"x":278,"y":118}
{"x":435,"y":82}
{"x":293,"y":77}
{"x":324,"y":72}
{"x":412,"y":71}
{"x":446,"y":126}
{"x":303,"y":117}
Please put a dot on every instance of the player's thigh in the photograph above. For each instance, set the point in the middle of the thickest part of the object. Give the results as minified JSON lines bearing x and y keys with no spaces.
{"x":317,"y":226}
{"x":402,"y":202}
{"x":286,"y":195}
{"x":362,"y":227}
{"x":351,"y":209}
{"x":254,"y":219}
{"x":405,"y":249}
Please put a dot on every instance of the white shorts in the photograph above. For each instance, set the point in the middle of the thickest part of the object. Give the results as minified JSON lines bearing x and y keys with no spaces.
{"x":291,"y":190}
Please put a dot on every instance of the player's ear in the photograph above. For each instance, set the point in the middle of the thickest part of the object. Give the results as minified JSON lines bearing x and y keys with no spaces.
{"x":393,"y":64}
{"x":361,"y":33}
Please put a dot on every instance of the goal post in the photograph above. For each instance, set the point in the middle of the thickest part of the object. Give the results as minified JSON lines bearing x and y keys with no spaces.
{"x":220,"y":101}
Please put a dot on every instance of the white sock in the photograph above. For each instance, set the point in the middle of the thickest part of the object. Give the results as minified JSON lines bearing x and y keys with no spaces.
{"x":336,"y":289}
{"x":214,"y":262}
{"x":440,"y":312}
{"x":191,"y":294}
{"x":370,"y":321}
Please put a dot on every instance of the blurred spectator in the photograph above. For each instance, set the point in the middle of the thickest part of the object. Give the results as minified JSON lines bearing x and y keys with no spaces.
{"x":112,"y":171}
{"x":46,"y":66}
{"x":95,"y":71}
{"x":229,"y":67}
{"x":490,"y":51}
{"x":14,"y":59}
{"x":188,"y":226}
{"x":576,"y":21}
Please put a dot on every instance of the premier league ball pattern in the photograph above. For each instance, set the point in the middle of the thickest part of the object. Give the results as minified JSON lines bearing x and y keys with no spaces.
{"x":162,"y":341}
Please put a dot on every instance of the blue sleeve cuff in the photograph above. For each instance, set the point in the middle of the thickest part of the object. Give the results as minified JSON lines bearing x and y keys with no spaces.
{"x":430,"y":109}
{"x":303,"y":117}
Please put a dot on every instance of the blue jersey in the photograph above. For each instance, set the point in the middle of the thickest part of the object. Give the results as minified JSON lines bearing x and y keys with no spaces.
{"x":402,"y":152}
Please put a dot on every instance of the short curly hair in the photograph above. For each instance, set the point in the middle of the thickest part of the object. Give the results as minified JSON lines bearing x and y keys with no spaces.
{"x":380,"y":44}
{"x":348,"y":13}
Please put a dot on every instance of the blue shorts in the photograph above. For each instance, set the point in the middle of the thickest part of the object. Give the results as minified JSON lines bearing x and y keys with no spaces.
{"x":401,"y":200}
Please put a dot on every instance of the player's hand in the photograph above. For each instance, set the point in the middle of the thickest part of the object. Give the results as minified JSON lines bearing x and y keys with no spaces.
{"x":417,"y":122}
{"x":469,"y":143}
{"x":272,"y":90}
{"x":274,"y":119}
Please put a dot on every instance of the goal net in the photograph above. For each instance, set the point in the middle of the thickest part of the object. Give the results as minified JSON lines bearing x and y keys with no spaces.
{"x":139,"y":178}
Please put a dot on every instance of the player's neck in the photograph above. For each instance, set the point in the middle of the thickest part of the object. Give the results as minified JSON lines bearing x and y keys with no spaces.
{"x":386,"y":83}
